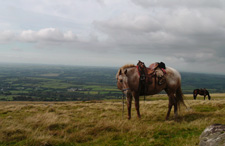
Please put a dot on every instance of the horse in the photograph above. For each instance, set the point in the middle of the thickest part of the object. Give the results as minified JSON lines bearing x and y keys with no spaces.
{"x":203,"y":92}
{"x":128,"y":80}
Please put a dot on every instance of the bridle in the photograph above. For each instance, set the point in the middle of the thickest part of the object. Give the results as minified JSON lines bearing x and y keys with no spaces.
{"x":123,"y":90}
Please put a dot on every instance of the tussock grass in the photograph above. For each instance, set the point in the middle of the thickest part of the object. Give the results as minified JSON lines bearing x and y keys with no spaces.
{"x":102,"y":123}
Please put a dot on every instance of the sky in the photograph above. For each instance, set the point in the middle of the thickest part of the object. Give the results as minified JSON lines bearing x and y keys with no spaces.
{"x":186,"y":35}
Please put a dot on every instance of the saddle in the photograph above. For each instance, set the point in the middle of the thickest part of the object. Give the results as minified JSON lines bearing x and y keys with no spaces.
{"x":147,"y":73}
{"x":151,"y":68}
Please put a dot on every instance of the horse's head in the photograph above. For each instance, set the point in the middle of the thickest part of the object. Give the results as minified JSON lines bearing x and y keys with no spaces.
{"x":122,"y":80}
{"x":195,"y":93}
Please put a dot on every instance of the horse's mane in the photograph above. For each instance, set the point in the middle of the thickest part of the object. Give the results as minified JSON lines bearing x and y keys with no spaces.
{"x":124,"y":67}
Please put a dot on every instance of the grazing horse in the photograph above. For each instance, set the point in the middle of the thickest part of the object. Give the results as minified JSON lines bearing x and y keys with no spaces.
{"x":203,"y":92}
{"x":128,"y":79}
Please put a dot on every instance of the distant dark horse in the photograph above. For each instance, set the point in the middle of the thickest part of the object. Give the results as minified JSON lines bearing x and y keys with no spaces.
{"x":203,"y":92}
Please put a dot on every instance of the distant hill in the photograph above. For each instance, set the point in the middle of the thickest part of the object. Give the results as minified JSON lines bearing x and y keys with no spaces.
{"x":214,"y":83}
{"x":60,"y":83}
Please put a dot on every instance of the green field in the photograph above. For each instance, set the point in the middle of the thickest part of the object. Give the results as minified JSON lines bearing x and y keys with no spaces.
{"x":102,"y":122}
{"x":27,"y":82}
{"x":56,"y":83}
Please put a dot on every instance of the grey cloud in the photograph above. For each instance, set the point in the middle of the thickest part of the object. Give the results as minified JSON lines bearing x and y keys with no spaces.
{"x":134,"y":24}
{"x":183,"y":33}
{"x":180,"y":3}
{"x":6,"y":36}
{"x":17,"y":49}
{"x":188,"y":32}
{"x":102,"y":2}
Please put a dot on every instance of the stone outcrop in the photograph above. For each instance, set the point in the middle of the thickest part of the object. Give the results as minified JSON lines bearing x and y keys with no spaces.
{"x":213,"y":135}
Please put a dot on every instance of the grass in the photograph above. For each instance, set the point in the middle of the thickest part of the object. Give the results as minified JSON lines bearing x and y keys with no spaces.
{"x":102,"y":123}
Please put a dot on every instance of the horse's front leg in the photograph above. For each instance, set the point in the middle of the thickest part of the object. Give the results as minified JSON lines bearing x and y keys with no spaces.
{"x":195,"y":96}
{"x":209,"y":97}
{"x":136,"y":97}
{"x":129,"y":101}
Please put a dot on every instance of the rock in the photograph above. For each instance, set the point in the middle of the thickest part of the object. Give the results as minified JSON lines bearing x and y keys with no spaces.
{"x":213,"y":135}
{"x":9,"y":117}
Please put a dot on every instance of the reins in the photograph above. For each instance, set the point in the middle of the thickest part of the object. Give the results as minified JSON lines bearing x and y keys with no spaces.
{"x":123,"y":106}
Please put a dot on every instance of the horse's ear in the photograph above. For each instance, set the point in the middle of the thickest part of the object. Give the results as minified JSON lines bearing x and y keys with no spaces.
{"x":120,"y":72}
{"x":125,"y":72}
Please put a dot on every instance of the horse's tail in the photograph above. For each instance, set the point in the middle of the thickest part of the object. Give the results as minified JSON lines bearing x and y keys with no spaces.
{"x":180,"y":98}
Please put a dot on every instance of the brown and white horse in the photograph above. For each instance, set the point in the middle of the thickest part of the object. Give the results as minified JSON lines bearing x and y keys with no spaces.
{"x":128,"y":83}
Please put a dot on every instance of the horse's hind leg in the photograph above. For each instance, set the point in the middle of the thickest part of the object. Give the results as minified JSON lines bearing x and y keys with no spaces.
{"x":175,"y":108}
{"x":169,"y":108}
{"x":172,"y":101}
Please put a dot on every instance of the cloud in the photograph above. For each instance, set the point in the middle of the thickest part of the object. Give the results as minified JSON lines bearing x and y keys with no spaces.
{"x":101,"y":2}
{"x":129,"y":23}
{"x":6,"y":36}
{"x":47,"y":35}
{"x":188,"y":34}
{"x":17,"y":49}
{"x":179,"y":3}
{"x":52,"y":35}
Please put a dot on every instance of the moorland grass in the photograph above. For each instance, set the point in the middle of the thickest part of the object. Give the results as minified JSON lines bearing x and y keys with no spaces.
{"x":102,"y":123}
